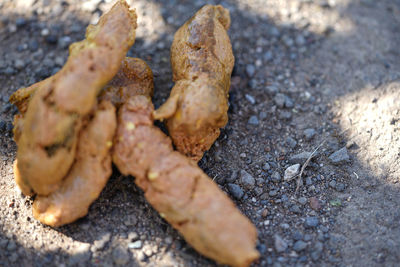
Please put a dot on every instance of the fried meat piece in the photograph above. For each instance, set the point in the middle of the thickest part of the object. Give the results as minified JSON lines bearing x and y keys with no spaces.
{"x":202,"y":63}
{"x":47,"y":135}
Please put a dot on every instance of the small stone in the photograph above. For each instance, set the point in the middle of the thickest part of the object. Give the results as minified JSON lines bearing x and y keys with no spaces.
{"x":332,"y":183}
{"x":100,"y":244}
{"x":266,"y":166}
{"x":307,"y":237}
{"x":274,"y":32}
{"x":250,"y":70}
{"x":120,"y":256}
{"x":271,"y":89}
{"x":45,"y":32}
{"x":11,"y":245}
{"x":81,"y":254}
{"x":22,"y":47}
{"x":295,"y":209}
{"x":291,"y":142}
{"x":235,"y":190}
{"x":51,"y":39}
{"x":247,"y":180}
{"x":302,"y":200}
{"x":311,"y":222}
{"x":280,"y":244}
{"x":289,"y":102}
{"x":135,"y":245}
{"x":19,"y":64}
{"x":264,"y":213}
{"x":309,"y":134}
{"x":273,"y":193}
{"x":267,"y":56}
{"x":20,"y":22}
{"x":339,"y":156}
{"x":130,"y":220}
{"x":285,"y":115}
{"x":14,"y":257}
{"x":291,"y":172}
{"x":133,"y":236}
{"x":64,"y":42}
{"x":250,"y":98}
{"x":314,"y":203}
{"x":279,"y":100}
{"x":340,"y":187}
{"x":12,"y":28}
{"x":297,"y":235}
{"x":263,"y":115}
{"x":300,"y":158}
{"x":253,"y":83}
{"x":299,"y":246}
{"x":3,"y":126}
{"x":232,"y":178}
{"x":9,"y":71}
{"x":33,"y":45}
{"x":276,"y":177}
{"x":288,"y":41}
{"x":285,"y":226}
{"x":253,"y":120}
{"x":300,"y":40}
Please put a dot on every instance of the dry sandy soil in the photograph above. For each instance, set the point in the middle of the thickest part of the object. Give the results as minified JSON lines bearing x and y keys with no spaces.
{"x":308,"y":74}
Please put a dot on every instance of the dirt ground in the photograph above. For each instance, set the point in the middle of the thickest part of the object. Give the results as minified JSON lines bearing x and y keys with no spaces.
{"x":308,"y":74}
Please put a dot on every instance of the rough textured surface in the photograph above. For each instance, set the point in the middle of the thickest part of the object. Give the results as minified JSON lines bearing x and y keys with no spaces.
{"x":178,"y":189}
{"x":335,"y":59}
{"x":202,"y":62}
{"x":87,"y":176}
{"x":48,"y":132}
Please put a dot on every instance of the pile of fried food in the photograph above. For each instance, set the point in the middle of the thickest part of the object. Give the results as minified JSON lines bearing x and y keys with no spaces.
{"x":97,"y":110}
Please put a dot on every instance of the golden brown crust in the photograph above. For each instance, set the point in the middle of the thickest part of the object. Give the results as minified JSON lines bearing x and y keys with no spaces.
{"x":48,"y":135}
{"x":202,"y":63}
{"x":87,"y":176}
{"x":178,"y":189}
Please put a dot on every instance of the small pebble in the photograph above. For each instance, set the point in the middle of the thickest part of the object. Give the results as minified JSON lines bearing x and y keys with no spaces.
{"x":267,"y":56}
{"x":250,"y":98}
{"x":291,"y":142}
{"x":273,"y":193}
{"x":263,"y":115}
{"x":309,"y":134}
{"x":276,"y":177}
{"x":33,"y":45}
{"x":302,"y":200}
{"x":311,"y":222}
{"x":250,"y":70}
{"x":64,"y":42}
{"x":120,"y":256}
{"x":314,"y":203}
{"x":285,"y":115}
{"x":339,"y":156}
{"x":340,"y":187}
{"x":291,"y":172}
{"x":20,"y":22}
{"x":279,"y":100}
{"x":247,"y":180}
{"x":299,"y":246}
{"x":253,"y":120}
{"x":280,"y":244}
{"x":300,"y":158}
{"x":235,"y":190}
{"x":295,"y":209}
{"x":135,"y":245}
{"x":289,"y":102}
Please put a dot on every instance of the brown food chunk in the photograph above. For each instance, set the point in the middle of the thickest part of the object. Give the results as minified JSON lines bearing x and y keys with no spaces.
{"x":88,"y":175}
{"x":202,"y":63}
{"x":47,"y":135}
{"x":178,"y":189}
